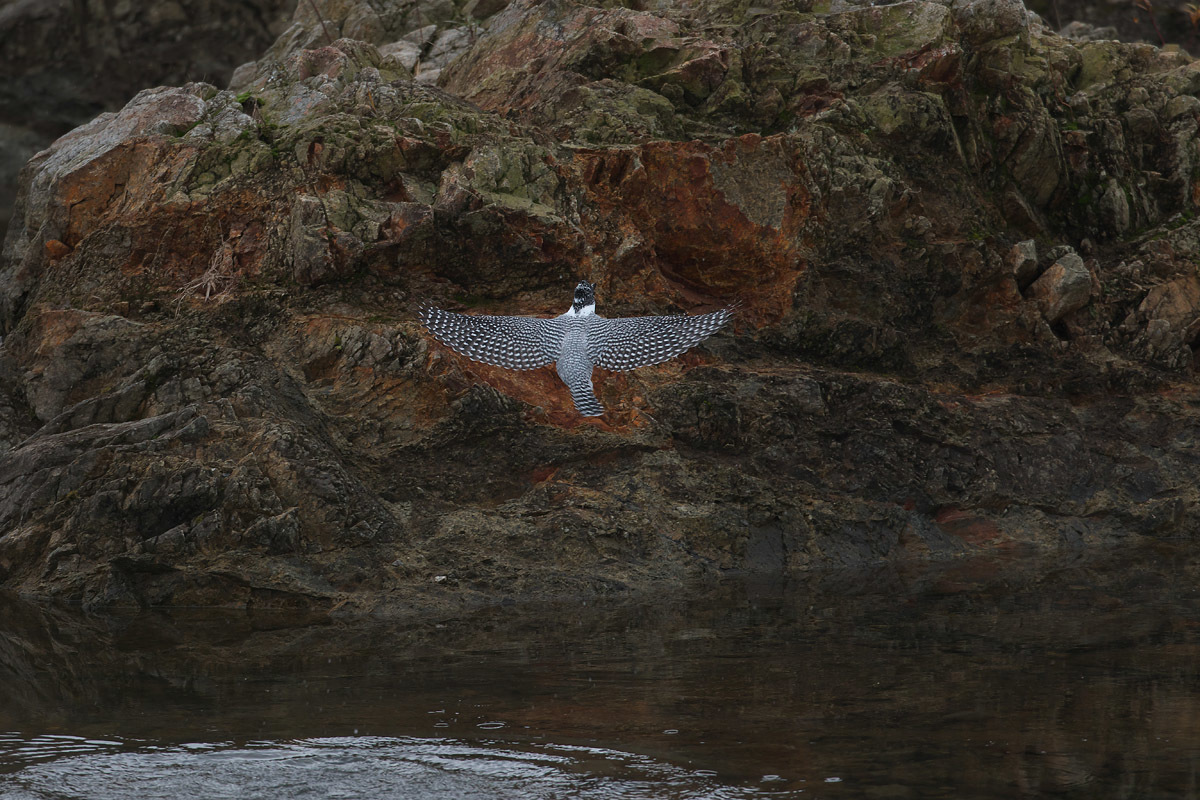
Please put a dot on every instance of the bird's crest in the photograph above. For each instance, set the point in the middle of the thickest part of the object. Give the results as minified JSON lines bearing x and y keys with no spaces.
{"x":585,"y":295}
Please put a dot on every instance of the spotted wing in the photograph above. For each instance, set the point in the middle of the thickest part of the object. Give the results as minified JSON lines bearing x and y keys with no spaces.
{"x":631,"y":342}
{"x":509,"y":342}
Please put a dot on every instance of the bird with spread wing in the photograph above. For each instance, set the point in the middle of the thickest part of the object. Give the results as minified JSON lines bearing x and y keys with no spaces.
{"x":575,"y":342}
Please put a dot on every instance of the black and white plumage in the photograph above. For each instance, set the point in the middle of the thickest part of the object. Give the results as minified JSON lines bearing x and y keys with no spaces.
{"x":576,"y":342}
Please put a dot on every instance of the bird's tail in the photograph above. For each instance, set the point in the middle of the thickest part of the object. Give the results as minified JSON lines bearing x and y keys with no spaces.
{"x":585,"y":399}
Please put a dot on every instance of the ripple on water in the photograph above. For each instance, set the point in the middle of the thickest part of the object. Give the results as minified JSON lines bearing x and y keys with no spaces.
{"x":64,"y":768}
{"x":17,"y":749}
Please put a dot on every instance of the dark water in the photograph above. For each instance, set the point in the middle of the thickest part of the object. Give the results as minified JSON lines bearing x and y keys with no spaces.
{"x":980,"y":679}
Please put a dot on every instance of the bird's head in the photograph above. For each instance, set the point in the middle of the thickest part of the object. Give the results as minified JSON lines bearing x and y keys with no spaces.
{"x":585,"y":295}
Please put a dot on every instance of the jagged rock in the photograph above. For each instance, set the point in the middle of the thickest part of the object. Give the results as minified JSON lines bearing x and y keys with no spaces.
{"x":130,"y":149}
{"x":1064,"y":287}
{"x":482,"y":9}
{"x":983,"y":21}
{"x":1114,"y":208}
{"x":557,"y":64}
{"x":449,"y":45}
{"x":419,"y":38}
{"x":1023,"y":261}
{"x":406,"y":53}
{"x":313,"y":255}
{"x":1087,"y":32}
{"x":1167,"y":322}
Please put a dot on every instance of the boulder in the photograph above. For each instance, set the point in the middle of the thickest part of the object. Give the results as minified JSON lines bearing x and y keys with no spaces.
{"x":1064,"y":287}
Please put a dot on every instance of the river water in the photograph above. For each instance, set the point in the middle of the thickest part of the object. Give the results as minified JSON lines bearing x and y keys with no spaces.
{"x":987,"y":678}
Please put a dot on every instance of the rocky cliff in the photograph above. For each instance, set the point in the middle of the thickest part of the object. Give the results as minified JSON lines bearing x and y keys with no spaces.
{"x":966,"y":250}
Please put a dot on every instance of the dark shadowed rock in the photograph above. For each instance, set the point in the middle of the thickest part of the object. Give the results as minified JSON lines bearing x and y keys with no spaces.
{"x":1023,"y":260}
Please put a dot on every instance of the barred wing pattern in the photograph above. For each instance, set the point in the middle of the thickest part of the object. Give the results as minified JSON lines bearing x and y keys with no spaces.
{"x":631,"y":342}
{"x":509,"y":342}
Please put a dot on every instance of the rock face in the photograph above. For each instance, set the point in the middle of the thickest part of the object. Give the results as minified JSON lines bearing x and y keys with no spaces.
{"x":214,"y":388}
{"x":64,"y":61}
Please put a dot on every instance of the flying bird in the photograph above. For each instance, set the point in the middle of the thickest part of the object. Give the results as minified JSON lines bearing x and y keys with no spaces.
{"x":575,"y":342}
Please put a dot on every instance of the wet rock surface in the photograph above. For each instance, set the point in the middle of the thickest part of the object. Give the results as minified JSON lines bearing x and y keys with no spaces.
{"x":965,"y":249}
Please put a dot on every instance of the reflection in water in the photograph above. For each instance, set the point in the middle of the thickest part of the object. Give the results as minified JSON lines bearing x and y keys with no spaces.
{"x":985,"y":679}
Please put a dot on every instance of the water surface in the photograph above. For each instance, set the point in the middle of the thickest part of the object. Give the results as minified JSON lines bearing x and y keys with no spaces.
{"x":1072,"y":677}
